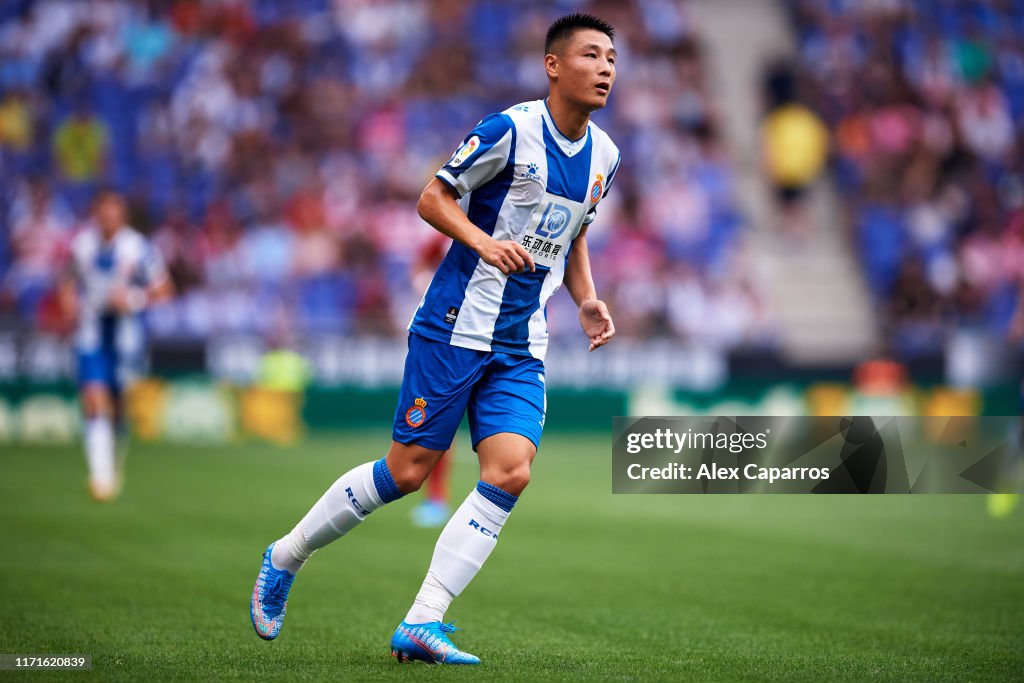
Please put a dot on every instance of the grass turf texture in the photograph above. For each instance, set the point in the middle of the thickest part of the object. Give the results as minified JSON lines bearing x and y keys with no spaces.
{"x":583,"y":584}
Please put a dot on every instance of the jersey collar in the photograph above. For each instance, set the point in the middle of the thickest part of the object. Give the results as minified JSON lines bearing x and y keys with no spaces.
{"x":568,"y":147}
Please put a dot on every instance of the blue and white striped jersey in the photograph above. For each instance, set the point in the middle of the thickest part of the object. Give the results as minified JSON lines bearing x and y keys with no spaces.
{"x":518,"y":179}
{"x":127,"y":260}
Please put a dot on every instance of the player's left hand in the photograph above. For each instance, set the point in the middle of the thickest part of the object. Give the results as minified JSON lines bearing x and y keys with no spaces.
{"x":596,"y":322}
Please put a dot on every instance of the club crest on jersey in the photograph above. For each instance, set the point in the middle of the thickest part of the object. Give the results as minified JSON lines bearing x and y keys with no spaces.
{"x":417,"y":413}
{"x":465,"y":151}
{"x":597,"y":189}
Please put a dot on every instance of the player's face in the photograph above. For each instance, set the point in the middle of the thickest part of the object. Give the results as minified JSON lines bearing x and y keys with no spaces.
{"x":110,"y":213}
{"x":586,"y":69}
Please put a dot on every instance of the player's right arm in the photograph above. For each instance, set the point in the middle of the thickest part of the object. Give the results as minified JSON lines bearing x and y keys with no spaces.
{"x":66,"y":286}
{"x":439,"y":207}
{"x":483,"y":154}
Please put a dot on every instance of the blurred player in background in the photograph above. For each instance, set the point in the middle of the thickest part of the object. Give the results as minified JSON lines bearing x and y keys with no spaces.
{"x":114,"y":274}
{"x":435,"y":510}
{"x":517,"y":198}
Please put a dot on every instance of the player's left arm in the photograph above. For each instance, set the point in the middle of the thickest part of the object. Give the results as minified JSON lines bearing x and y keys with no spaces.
{"x":594,"y":316}
{"x":162,"y":290}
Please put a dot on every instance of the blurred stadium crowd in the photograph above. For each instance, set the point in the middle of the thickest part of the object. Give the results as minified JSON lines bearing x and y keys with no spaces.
{"x":275,"y":151}
{"x":925,"y":103}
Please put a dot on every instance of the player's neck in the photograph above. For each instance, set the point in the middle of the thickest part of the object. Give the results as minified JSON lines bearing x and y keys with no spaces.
{"x":570,"y":121}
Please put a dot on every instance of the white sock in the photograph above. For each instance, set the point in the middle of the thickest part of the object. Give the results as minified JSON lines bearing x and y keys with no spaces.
{"x":463,"y":547}
{"x":350,"y":499}
{"x":99,"y":452}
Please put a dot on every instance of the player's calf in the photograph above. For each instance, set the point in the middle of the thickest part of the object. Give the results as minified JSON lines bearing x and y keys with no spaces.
{"x":461,"y":550}
{"x":340,"y":509}
{"x":100,"y":443}
{"x":343,"y":506}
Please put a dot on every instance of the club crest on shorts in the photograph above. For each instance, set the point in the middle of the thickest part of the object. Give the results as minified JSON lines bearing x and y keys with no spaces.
{"x":417,"y":413}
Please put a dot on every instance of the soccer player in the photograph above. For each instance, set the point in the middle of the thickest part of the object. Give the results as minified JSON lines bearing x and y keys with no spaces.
{"x":516,"y":197}
{"x":114,"y":274}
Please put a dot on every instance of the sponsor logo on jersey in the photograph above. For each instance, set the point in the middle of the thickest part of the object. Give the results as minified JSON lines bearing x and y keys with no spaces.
{"x":451,"y":315}
{"x":597,"y":189}
{"x":417,"y":413}
{"x":464,"y":152}
{"x":531,"y":172}
{"x":555,"y":220}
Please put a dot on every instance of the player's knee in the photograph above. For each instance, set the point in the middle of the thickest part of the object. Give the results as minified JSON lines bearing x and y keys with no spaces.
{"x":410,"y":465}
{"x":410,"y":477}
{"x":512,"y":480}
{"x":96,"y":403}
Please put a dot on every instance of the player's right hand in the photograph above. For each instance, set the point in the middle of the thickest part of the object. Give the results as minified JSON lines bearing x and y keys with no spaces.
{"x":506,"y":255}
{"x":126,"y":300}
{"x":117,"y":299}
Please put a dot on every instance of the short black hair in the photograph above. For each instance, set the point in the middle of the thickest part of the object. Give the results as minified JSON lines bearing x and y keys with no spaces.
{"x":104,"y":192}
{"x":563,"y":27}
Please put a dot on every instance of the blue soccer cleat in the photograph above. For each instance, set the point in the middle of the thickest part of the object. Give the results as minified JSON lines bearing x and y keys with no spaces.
{"x":428,"y":643}
{"x":269,"y":598}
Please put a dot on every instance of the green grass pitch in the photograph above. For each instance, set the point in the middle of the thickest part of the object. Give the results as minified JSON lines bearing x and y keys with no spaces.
{"x":583,"y":585}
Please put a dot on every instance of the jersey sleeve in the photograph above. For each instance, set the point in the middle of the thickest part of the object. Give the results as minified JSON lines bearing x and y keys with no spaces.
{"x":592,"y":214}
{"x":152,"y":269}
{"x":482,"y":155}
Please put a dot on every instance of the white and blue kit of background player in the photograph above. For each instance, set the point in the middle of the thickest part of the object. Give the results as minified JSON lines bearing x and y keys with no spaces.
{"x":479,"y":337}
{"x":109,"y":344}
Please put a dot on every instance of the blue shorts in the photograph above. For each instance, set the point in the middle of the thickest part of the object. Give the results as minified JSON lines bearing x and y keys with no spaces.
{"x":503,"y":392}
{"x":99,"y":366}
{"x":105,"y":361}
{"x":108,"y":366}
